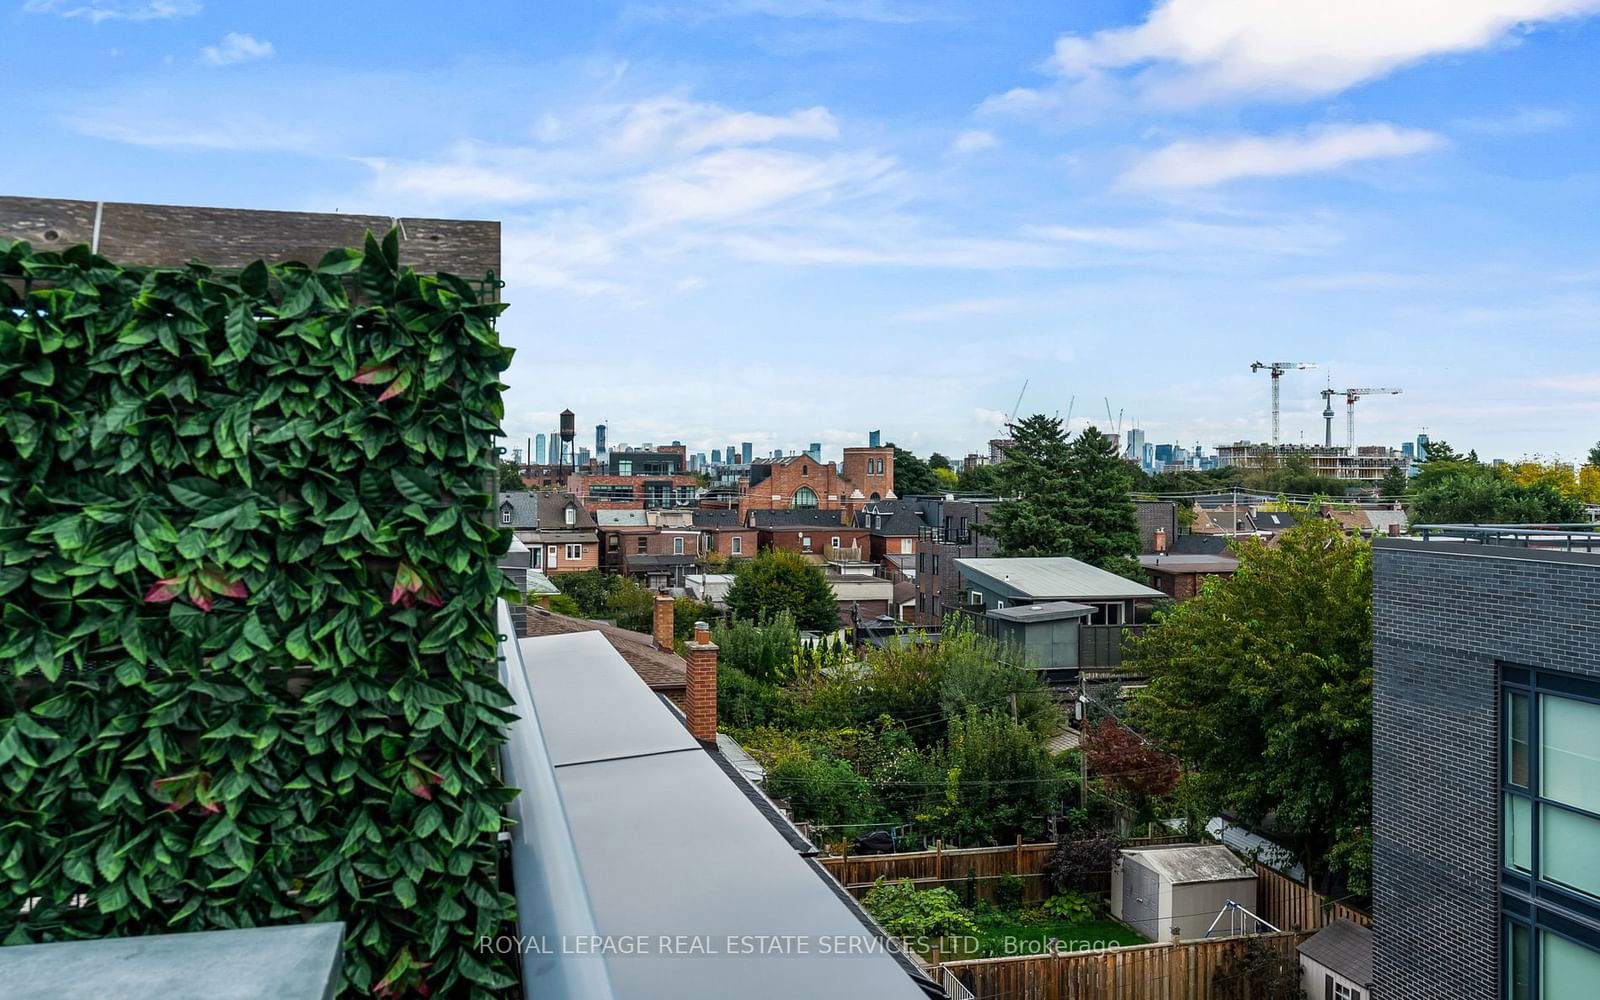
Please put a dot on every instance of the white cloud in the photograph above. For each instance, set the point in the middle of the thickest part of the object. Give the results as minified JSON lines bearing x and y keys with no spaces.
{"x":1524,"y":121}
{"x":1192,"y":51}
{"x":974,"y":140}
{"x":739,"y":183}
{"x":114,"y":10}
{"x":672,"y":123}
{"x":875,"y":11}
{"x":236,"y":47}
{"x":1207,"y":162}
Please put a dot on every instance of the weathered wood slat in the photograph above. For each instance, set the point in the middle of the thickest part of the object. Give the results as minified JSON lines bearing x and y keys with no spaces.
{"x":169,"y":235}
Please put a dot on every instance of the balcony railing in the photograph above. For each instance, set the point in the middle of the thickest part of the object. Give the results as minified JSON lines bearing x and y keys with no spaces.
{"x":1100,"y":647}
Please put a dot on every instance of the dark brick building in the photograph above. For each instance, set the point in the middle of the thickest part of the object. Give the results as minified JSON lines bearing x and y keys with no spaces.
{"x":1486,"y":771}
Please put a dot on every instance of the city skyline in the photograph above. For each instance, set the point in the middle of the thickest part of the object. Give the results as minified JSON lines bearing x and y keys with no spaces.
{"x":867,"y":213}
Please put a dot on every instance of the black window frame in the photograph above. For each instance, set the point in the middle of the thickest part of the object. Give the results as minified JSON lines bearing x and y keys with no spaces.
{"x":1526,"y":900}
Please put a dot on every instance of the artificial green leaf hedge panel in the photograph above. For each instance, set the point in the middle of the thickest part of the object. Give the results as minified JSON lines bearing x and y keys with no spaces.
{"x":248,"y":637}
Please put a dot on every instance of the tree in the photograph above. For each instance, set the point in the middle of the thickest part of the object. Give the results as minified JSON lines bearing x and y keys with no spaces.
{"x":1458,"y":493}
{"x":1440,"y":451}
{"x":589,"y":589}
{"x":938,"y":461}
{"x":511,"y":478}
{"x":1036,"y":474}
{"x":1081,"y":861}
{"x":1262,"y":684}
{"x":912,"y":476}
{"x":980,"y":479}
{"x":1127,"y":766}
{"x":1394,"y":483}
{"x":1594,"y":456}
{"x":780,"y":580}
{"x":1104,"y":529}
{"x":947,"y":479}
{"x":999,"y":780}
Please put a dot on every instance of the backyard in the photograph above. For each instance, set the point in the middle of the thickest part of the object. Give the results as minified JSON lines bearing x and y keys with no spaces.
{"x":957,"y":925}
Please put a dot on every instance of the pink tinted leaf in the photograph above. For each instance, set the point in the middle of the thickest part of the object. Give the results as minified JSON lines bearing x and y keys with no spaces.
{"x":201,"y":601}
{"x":374,"y":374}
{"x":235,"y":588}
{"x":164,"y":590}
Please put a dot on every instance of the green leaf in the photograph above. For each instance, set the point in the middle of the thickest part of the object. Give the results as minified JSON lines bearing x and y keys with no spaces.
{"x":40,"y":372}
{"x":340,"y":261}
{"x":415,"y":485}
{"x":194,"y":492}
{"x":241,"y":331}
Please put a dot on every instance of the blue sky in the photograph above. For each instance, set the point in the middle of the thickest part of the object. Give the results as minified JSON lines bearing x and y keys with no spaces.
{"x":787,"y":221}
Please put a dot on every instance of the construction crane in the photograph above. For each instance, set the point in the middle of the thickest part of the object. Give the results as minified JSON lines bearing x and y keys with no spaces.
{"x":1277,"y":368}
{"x":1350,"y":397}
{"x":1005,"y":430}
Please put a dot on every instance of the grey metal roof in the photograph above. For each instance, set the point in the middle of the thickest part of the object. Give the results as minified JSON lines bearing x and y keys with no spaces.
{"x":631,"y":809}
{"x":538,"y":583}
{"x":1197,"y":863}
{"x":1344,"y":947}
{"x":607,"y":711}
{"x":1050,"y":577}
{"x":1189,"y":563}
{"x":1047,"y":611}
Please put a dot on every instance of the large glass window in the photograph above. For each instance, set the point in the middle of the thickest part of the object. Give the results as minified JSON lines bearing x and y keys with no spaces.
{"x":1519,"y":962}
{"x":1566,"y":969}
{"x":1569,"y":752}
{"x":805,"y":497}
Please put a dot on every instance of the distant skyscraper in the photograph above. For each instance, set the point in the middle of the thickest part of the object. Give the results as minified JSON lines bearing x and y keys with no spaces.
{"x":1147,"y":456}
{"x":748,"y":450}
{"x":716,"y":456}
{"x":1408,"y":449}
{"x":777,"y":453}
{"x":1163,"y":454}
{"x":1422,"y":447}
{"x":875,"y":439}
{"x":583,"y":456}
{"x":1135,"y":444}
{"x":538,"y":449}
{"x":599,"y":439}
{"x":815,"y":451}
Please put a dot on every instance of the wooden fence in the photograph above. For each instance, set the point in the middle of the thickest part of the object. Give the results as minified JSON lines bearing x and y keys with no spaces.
{"x":949,"y":867}
{"x":1185,"y":970}
{"x":1283,"y":902}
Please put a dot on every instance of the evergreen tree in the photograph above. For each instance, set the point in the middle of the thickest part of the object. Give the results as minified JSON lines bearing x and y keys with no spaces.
{"x":779,"y":580}
{"x":1394,"y":483}
{"x":1103,"y":525}
{"x":1037,"y":474}
{"x":912,"y":476}
{"x":1594,"y":456}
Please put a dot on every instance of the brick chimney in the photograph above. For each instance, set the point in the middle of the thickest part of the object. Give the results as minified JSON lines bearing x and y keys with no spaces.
{"x":661,"y":624}
{"x":1161,"y":541}
{"x":1394,"y":529}
{"x":701,"y":686}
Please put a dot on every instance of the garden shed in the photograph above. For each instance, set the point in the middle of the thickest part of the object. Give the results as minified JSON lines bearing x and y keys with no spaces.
{"x":1161,"y":890}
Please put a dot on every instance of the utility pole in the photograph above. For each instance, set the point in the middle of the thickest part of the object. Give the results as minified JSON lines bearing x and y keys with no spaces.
{"x":1083,"y":756}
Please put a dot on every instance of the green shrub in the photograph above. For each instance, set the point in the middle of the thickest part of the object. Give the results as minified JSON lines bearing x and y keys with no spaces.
{"x":588,"y":589}
{"x":905,"y":911}
{"x":631,"y":605}
{"x":1008,"y":891}
{"x":561,"y":604}
{"x":1073,"y":906}
{"x":249,"y":583}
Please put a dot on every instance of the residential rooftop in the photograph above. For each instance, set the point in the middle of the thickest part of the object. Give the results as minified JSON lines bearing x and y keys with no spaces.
{"x":1053,"y":577}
